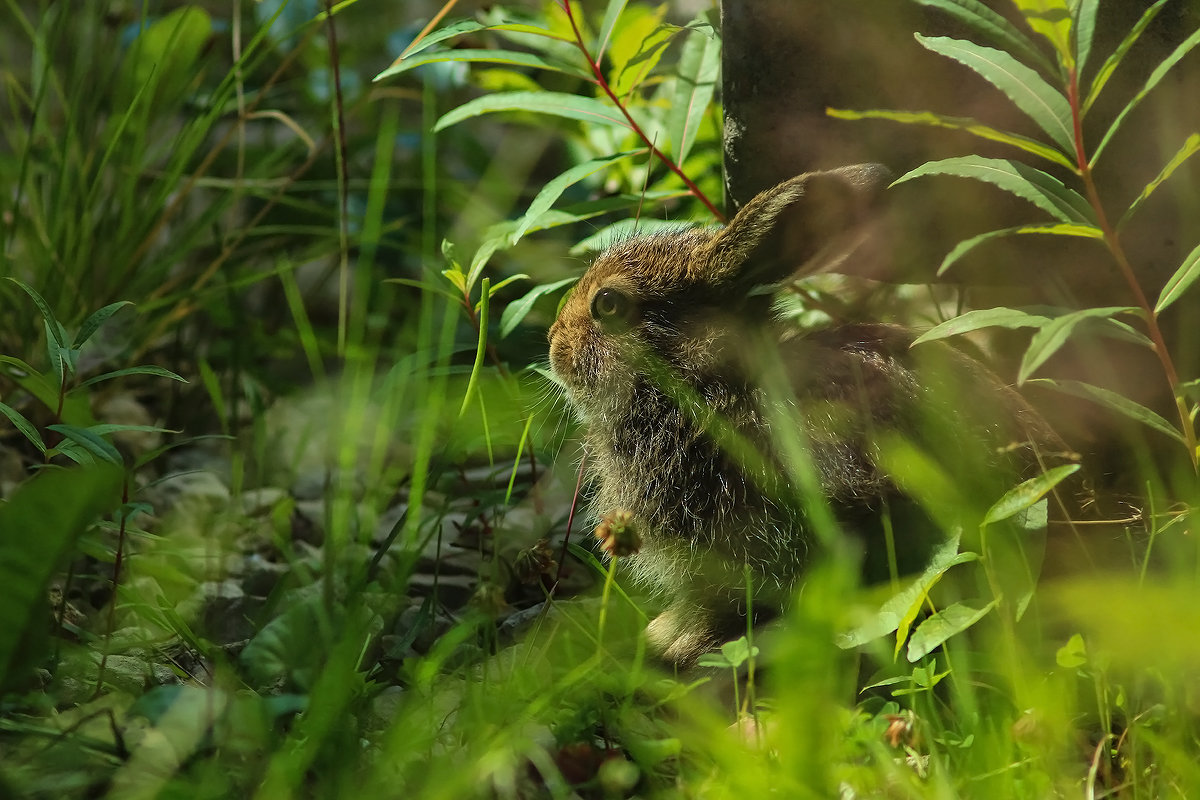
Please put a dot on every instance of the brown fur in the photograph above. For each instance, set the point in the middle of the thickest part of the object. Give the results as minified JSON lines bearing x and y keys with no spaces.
{"x":688,"y":399}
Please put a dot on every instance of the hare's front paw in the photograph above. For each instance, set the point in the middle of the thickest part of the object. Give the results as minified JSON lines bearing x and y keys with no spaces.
{"x":681,"y":634}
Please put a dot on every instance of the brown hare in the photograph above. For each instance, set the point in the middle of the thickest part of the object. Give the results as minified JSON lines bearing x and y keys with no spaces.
{"x":697,"y":400}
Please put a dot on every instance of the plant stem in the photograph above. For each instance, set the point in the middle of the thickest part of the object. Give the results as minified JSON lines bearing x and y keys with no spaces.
{"x":602,"y":82}
{"x":1113,"y":242}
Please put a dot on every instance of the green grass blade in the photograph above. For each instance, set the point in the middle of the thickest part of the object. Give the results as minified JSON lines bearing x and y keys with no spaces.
{"x":993,"y":26}
{"x":1060,"y":229}
{"x":1113,"y":61}
{"x":1189,"y":148}
{"x":557,"y":104}
{"x":38,"y":527}
{"x":1183,"y":278}
{"x":1156,"y":76}
{"x":1041,"y":102}
{"x":1043,"y":190}
{"x":1117,"y":402}
{"x":966,"y":124}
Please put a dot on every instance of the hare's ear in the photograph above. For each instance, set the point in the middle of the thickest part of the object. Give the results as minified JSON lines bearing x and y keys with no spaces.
{"x":803,"y":225}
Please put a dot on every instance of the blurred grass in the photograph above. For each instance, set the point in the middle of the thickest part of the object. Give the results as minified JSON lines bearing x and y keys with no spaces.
{"x":203,"y":188}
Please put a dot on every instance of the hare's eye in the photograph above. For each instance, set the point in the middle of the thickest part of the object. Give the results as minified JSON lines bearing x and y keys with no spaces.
{"x":611,"y":306}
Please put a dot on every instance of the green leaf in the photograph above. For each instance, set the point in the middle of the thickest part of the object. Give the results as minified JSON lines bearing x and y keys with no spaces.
{"x":738,"y":652}
{"x":993,"y":26}
{"x":699,"y":66}
{"x":89,"y":441}
{"x":1053,"y":336}
{"x":983,"y":318}
{"x":30,"y":380}
{"x":899,"y":611}
{"x":1117,"y":402}
{"x":39,"y":526}
{"x":1027,"y":493}
{"x":950,"y":621}
{"x":1044,"y":191}
{"x":98,"y":318}
{"x":54,"y":331}
{"x":1073,"y":654}
{"x":1184,"y":277}
{"x":456,"y":28}
{"x":426,"y":287}
{"x":1156,"y":76}
{"x":622,"y":229}
{"x":637,"y":43}
{"x":612,"y":13}
{"x":518,"y":309}
{"x":1052,"y":19}
{"x":556,"y":186}
{"x":1185,"y":152}
{"x":514,"y":58}
{"x":521,"y":276}
{"x":164,"y":59}
{"x":1060,"y":229}
{"x":158,"y":372}
{"x":962,"y":124}
{"x":1085,"y":29}
{"x":480,"y":350}
{"x":1041,"y":102}
{"x":1110,"y":65}
{"x":557,"y":104}
{"x":23,"y":425}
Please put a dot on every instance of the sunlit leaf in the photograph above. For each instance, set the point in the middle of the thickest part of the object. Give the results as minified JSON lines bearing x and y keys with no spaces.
{"x":1156,"y":76}
{"x":556,"y":186}
{"x":1051,"y":19}
{"x":518,"y":309}
{"x":962,"y":124}
{"x":1061,"y":229}
{"x":637,"y":43}
{"x":1113,"y":61}
{"x":1185,"y":152}
{"x":699,"y":66}
{"x":1117,"y":402}
{"x":557,"y":104}
{"x":514,"y":58}
{"x":1026,"y":494}
{"x":983,"y":318}
{"x":612,"y":13}
{"x":1043,"y":190}
{"x":1073,"y":654}
{"x":1041,"y":102}
{"x":1184,"y":277}
{"x":950,"y":621}
{"x":993,"y":26}
{"x":604,"y":237}
{"x":1047,"y":341}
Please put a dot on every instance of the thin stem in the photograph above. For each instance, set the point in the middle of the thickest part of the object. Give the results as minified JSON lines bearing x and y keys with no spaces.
{"x":1113,"y":242}
{"x":602,"y":82}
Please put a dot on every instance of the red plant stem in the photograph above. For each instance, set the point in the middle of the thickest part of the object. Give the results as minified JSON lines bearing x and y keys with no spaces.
{"x":1113,"y":242}
{"x":602,"y":82}
{"x":116,"y":583}
{"x":562,"y":558}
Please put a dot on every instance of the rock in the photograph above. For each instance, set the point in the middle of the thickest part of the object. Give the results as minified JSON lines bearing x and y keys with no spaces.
{"x":257,"y":502}
{"x":202,"y":489}
{"x":123,"y":408}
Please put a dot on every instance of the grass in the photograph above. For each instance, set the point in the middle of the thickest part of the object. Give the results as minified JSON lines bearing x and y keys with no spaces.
{"x":252,"y":608}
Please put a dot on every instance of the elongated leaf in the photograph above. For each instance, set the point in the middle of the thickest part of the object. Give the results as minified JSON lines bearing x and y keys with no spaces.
{"x":515,"y":58}
{"x":40,"y":524}
{"x":622,"y":229}
{"x":440,"y":35}
{"x":557,"y":104}
{"x":961,"y":124}
{"x":23,"y":425}
{"x":30,"y":380}
{"x":1156,"y":76}
{"x":1184,"y":277}
{"x":1116,"y":402}
{"x":105,"y":428}
{"x":1026,"y":494}
{"x":556,"y":186}
{"x":480,"y":350}
{"x":612,"y":13}
{"x":983,"y":318}
{"x":518,"y":309}
{"x":637,"y":44}
{"x":95,"y":320}
{"x":1044,"y":191}
{"x":1041,"y":102}
{"x":1185,"y":152}
{"x":90,"y":442}
{"x":426,"y":287}
{"x":1113,"y":61}
{"x":1049,"y":339}
{"x":1085,"y":30}
{"x":53,"y":330}
{"x":699,"y":65}
{"x":993,"y":26}
{"x":1052,"y":19}
{"x":158,"y":372}
{"x":1061,"y":229}
{"x":950,"y":621}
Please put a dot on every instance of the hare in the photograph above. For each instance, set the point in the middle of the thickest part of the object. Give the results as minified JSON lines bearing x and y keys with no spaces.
{"x":696,"y":402}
